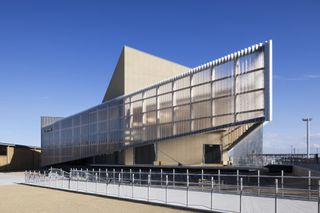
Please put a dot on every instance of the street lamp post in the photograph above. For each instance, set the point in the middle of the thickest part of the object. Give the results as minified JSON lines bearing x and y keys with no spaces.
{"x":308,"y":120}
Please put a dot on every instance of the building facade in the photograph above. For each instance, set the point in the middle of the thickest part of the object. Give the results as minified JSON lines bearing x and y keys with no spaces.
{"x":159,"y":112}
{"x":15,"y":157}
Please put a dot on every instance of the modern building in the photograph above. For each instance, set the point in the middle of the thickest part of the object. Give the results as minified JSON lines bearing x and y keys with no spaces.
{"x":158,"y":112}
{"x":15,"y":157}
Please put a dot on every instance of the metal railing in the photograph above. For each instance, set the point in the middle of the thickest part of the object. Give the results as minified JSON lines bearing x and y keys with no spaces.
{"x":312,"y":161}
{"x":186,"y":189}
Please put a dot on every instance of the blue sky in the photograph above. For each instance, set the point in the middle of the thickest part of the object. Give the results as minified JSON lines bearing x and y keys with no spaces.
{"x":57,"y":57}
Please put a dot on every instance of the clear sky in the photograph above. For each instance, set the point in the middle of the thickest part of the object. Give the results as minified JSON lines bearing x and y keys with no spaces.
{"x":57,"y":57}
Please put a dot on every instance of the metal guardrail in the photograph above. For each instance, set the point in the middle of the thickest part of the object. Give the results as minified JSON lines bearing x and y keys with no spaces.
{"x":305,"y":188}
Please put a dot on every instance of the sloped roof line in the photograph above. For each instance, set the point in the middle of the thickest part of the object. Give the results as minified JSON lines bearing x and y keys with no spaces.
{"x":150,"y":54}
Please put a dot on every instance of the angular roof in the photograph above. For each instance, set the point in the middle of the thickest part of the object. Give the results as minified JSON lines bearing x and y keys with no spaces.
{"x":136,"y":69}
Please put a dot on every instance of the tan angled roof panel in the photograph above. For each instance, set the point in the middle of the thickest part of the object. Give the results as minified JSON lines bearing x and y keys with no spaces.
{"x":136,"y":70}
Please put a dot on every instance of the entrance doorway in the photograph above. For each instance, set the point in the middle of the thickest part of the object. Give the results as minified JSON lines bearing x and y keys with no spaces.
{"x":212,"y":153}
{"x":144,"y":154}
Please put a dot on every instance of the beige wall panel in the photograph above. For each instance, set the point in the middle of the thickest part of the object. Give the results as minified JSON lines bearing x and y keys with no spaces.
{"x":129,"y":157}
{"x":19,"y":158}
{"x":225,"y":154}
{"x":136,"y":70}
{"x":10,"y":154}
{"x":3,"y":160}
{"x":142,"y":69}
{"x":186,"y":150}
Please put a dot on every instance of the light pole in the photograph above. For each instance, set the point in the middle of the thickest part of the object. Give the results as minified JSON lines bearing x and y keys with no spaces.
{"x":308,"y":135}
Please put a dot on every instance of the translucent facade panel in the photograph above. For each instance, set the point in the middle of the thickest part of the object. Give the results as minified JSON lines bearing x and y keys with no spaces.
{"x":181,"y":127}
{"x":127,"y":108}
{"x":223,"y":106}
{"x":127,"y":135}
{"x":223,"y":70}
{"x":136,"y":107}
{"x":150,"y":104}
{"x":93,"y":116}
{"x":137,"y":120}
{"x":202,"y":92}
{"x":150,"y":132}
{"x":181,"y":113}
{"x":181,"y":97}
{"x":103,"y":113}
{"x":137,"y":134}
{"x":76,"y":135}
{"x":102,"y":126}
{"x":201,"y":77}
{"x":76,"y":120}
{"x":222,"y":120}
{"x":200,"y":124}
{"x":127,"y":122}
{"x":114,"y":113}
{"x":84,"y":118}
{"x":165,"y":88}
{"x":115,"y":124}
{"x":150,"y":118}
{"x":101,"y":139}
{"x":182,"y":83}
{"x":165,"y":101}
{"x":250,"y":81}
{"x":222,"y":88}
{"x":66,"y":123}
{"x":127,"y":100}
{"x":201,"y":110}
{"x":66,"y":136}
{"x":165,"y":130}
{"x":165,"y":116}
{"x":136,"y":97}
{"x":150,"y":93}
{"x":84,"y":134}
{"x":250,"y":101}
{"x":93,"y":126}
{"x":250,"y":115}
{"x":251,"y":62}
{"x":93,"y":130}
{"x":121,"y":109}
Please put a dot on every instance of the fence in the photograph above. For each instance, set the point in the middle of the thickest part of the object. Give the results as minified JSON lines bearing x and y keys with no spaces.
{"x":280,"y":159}
{"x":212,"y":192}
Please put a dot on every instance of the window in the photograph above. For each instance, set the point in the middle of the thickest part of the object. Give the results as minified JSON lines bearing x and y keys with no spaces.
{"x":3,"y":150}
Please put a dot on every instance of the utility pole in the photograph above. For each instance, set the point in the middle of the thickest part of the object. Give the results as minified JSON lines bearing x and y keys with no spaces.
{"x":308,"y":120}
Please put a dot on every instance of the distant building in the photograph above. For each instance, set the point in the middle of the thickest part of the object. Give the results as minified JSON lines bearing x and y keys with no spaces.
{"x":158,"y":112}
{"x":15,"y":157}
